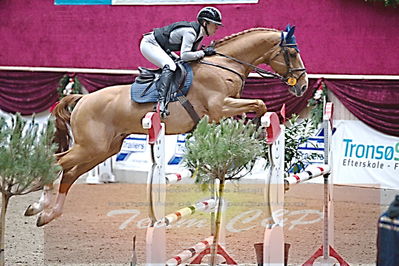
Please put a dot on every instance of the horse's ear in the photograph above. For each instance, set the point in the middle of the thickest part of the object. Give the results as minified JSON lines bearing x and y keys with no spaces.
{"x":283,"y":34}
{"x":290,"y":32}
{"x":288,"y":38}
{"x":287,"y":34}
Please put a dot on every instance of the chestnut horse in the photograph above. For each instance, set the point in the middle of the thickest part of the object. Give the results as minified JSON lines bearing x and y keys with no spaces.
{"x":101,"y":120}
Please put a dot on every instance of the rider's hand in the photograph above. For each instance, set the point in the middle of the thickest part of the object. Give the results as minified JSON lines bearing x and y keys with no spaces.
{"x":210,"y":50}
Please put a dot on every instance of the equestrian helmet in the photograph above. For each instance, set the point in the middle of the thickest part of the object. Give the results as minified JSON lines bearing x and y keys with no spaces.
{"x":210,"y":14}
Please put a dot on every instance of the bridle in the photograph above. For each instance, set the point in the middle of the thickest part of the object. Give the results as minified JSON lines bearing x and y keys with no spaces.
{"x":289,"y":78}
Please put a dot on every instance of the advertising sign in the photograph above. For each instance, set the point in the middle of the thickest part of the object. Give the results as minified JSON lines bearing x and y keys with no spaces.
{"x":362,"y":155}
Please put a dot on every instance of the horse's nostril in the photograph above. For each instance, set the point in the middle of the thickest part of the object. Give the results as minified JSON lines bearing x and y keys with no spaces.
{"x":303,"y":89}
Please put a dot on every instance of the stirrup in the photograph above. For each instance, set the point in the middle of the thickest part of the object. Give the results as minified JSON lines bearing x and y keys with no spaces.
{"x":163,"y":109}
{"x":165,"y":114}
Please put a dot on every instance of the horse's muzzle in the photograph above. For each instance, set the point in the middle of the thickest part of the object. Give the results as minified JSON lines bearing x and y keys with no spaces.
{"x":298,"y":90}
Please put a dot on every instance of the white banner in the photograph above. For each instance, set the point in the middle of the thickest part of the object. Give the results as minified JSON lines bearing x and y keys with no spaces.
{"x":362,"y":155}
{"x":135,"y":153}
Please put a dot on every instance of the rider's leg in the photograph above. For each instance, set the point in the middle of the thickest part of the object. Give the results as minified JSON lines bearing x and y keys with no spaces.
{"x":154,"y":53}
{"x":163,"y":88}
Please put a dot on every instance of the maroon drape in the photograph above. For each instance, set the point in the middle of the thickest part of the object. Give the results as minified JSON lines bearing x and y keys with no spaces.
{"x":374,"y":102}
{"x":93,"y":82}
{"x":28,"y":92}
{"x":275,"y":93}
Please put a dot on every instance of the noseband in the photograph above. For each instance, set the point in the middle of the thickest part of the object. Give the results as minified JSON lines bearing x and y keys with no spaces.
{"x":289,"y":77}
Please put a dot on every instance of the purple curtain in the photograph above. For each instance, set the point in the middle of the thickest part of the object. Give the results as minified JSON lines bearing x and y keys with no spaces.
{"x":275,"y":93}
{"x":28,"y":92}
{"x":272,"y":91}
{"x":374,"y":102}
{"x":93,"y":82}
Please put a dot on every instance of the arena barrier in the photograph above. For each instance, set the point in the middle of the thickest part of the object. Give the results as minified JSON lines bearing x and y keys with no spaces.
{"x":156,"y":191}
{"x":273,"y":246}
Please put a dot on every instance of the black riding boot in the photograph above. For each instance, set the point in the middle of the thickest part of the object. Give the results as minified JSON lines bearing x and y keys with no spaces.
{"x":163,"y":88}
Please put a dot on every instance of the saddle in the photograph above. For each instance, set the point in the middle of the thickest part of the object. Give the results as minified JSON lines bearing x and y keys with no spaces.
{"x":151,"y":76}
{"x":148,"y":75}
{"x":144,"y":88}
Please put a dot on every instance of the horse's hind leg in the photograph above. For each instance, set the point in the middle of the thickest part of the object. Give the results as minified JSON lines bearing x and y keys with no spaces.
{"x":85,"y":162}
{"x":68,"y":178}
{"x":43,"y":203}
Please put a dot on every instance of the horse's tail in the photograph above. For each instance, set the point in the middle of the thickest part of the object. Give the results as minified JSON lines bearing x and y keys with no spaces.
{"x":62,"y":114}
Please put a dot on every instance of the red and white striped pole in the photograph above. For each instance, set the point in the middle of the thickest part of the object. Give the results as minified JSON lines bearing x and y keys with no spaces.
{"x":310,"y":172}
{"x":191,"y":252}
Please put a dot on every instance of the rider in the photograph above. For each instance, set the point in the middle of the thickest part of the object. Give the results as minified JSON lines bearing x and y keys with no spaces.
{"x":180,"y":36}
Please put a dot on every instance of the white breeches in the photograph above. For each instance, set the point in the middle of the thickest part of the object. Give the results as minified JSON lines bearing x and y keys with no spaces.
{"x":154,"y":53}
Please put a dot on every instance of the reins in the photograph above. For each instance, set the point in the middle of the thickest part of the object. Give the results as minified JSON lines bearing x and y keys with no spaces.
{"x":260,"y":71}
{"x":223,"y":67}
{"x":291,"y":81}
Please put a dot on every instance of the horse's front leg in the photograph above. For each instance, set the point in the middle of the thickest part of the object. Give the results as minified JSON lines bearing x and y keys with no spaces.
{"x":233,"y":107}
{"x":43,"y":203}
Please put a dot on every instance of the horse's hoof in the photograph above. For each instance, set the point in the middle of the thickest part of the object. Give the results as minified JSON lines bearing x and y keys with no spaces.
{"x":40,"y":221}
{"x":30,"y":211}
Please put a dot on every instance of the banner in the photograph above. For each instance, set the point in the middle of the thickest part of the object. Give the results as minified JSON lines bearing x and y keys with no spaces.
{"x":150,"y":2}
{"x":135,"y":154}
{"x":362,"y":155}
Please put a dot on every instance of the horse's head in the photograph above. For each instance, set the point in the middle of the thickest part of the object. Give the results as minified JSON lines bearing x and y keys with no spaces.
{"x":287,"y":62}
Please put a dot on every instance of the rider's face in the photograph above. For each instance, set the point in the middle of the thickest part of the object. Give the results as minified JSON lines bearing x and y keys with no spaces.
{"x":212,"y":28}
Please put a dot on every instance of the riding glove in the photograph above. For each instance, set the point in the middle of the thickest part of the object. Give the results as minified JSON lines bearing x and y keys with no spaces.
{"x":210,"y":50}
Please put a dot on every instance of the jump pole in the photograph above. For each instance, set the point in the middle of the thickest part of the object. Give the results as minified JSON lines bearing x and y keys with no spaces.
{"x":273,"y":247}
{"x":156,"y":193}
{"x":326,"y":255}
{"x":273,"y":243}
{"x":156,"y":190}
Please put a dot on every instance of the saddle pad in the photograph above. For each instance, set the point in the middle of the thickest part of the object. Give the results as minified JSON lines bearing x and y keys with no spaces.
{"x":151,"y":95}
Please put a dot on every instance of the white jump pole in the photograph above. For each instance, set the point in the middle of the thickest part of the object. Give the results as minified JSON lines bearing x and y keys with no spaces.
{"x":156,"y":190}
{"x":273,"y":244}
{"x":326,"y":255}
{"x":273,"y":249}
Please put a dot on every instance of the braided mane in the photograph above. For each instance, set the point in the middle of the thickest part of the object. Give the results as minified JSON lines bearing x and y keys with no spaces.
{"x":235,"y":35}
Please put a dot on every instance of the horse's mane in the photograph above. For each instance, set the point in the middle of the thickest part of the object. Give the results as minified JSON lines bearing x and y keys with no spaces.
{"x":235,"y":35}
